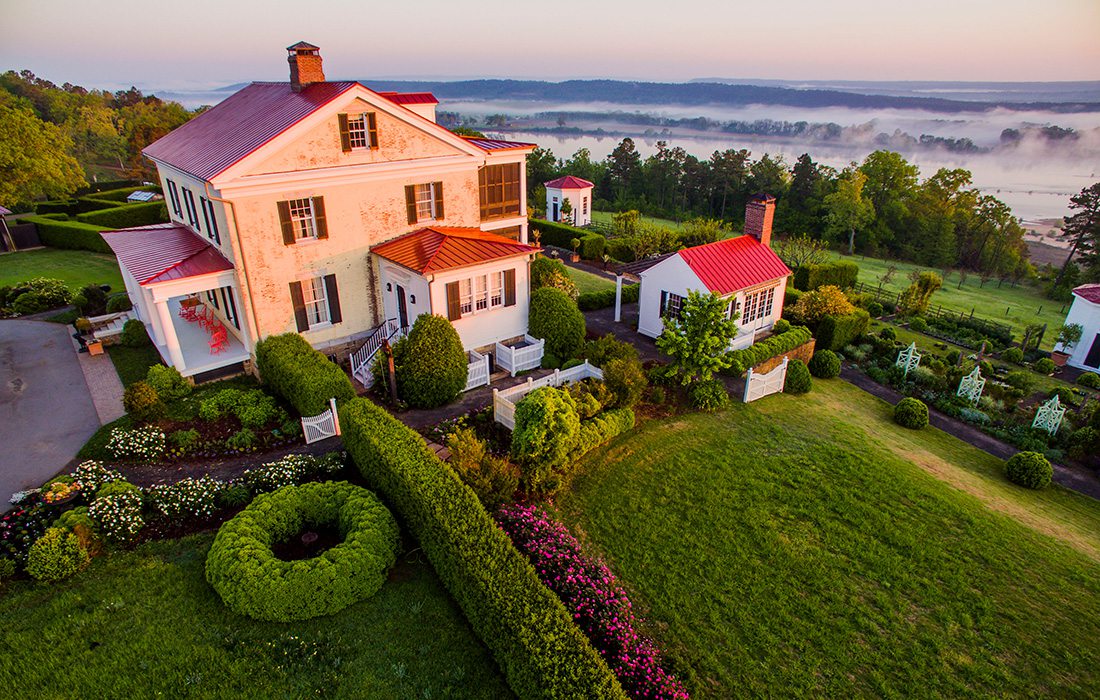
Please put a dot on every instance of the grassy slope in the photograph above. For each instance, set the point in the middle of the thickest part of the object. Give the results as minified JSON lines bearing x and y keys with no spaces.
{"x":132,"y":364}
{"x":588,"y":282}
{"x":605,"y":217}
{"x":76,"y":268}
{"x":803,"y":547}
{"x":146,"y":624}
{"x":1024,"y":304}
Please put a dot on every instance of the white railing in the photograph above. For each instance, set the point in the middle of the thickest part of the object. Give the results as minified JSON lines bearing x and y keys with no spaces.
{"x":758,"y":386}
{"x":504,"y":402}
{"x":324,"y":425}
{"x":477,"y":370}
{"x":514,"y":360}
{"x":362,"y":359}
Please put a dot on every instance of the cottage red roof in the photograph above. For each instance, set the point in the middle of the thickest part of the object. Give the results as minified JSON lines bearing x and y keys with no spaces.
{"x":497,"y":144}
{"x":440,"y":248}
{"x":1088,"y":292}
{"x":733,"y":264}
{"x":410,"y":98}
{"x":163,"y":252}
{"x":569,"y":183}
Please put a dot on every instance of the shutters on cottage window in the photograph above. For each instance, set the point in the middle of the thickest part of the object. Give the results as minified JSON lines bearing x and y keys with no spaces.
{"x":285,"y":223}
{"x":509,"y":287}
{"x":345,"y":137}
{"x":438,"y":190}
{"x":664,"y":304}
{"x":372,"y":129}
{"x":298,"y":300}
{"x":454,"y":303}
{"x":321,"y":230}
{"x":410,"y":202}
{"x":333,"y":299}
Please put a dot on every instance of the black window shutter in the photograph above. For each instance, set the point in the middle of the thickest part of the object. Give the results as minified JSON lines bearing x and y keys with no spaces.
{"x":345,"y":137}
{"x":284,"y":221}
{"x":664,"y":302}
{"x":438,"y":200}
{"x":319,"y":217}
{"x":410,"y":202}
{"x":231,"y":306}
{"x":509,"y":287}
{"x":372,"y":129}
{"x":333,"y":295}
{"x":454,"y":304}
{"x":213,"y":223}
{"x":299,"y":306}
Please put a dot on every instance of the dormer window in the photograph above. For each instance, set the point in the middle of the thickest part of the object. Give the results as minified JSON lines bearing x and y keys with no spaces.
{"x":358,"y":131}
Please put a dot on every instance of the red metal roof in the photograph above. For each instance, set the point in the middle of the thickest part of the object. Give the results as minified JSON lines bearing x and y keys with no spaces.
{"x":1088,"y":292}
{"x":569,"y":183}
{"x":163,"y":252}
{"x":436,"y":249}
{"x":4,"y":211}
{"x":497,"y":144}
{"x":410,"y":98}
{"x":224,"y":134}
{"x":733,"y":264}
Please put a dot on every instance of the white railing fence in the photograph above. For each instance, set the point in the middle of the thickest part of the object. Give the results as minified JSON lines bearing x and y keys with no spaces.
{"x":362,"y":359}
{"x":504,"y":402}
{"x":515,"y":360}
{"x":758,"y":386}
{"x":324,"y":425}
{"x":477,"y":370}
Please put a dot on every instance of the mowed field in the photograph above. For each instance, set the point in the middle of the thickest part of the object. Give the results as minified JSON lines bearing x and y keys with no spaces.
{"x":76,"y":268}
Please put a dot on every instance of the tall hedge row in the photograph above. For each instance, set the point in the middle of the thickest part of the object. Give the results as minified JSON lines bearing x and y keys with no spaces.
{"x":590,"y":301}
{"x":593,"y":245}
{"x":127,"y":215}
{"x":301,"y":375}
{"x":841,"y":273}
{"x":835,"y":332}
{"x":768,"y":348}
{"x":69,"y":234}
{"x":542,"y":653}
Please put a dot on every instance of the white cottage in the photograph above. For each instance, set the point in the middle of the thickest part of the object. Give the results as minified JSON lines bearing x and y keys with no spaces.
{"x":579,"y":194}
{"x":743,"y":270}
{"x":1085,"y":312}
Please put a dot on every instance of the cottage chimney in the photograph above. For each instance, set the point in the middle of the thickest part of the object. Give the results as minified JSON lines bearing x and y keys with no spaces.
{"x":758,"y":217}
{"x":305,"y":65}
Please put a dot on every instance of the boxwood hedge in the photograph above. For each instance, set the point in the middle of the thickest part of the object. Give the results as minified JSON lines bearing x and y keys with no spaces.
{"x":767,"y":348}
{"x":540,"y":650}
{"x":127,"y":215}
{"x":69,"y":234}
{"x":590,"y":301}
{"x":301,"y":375}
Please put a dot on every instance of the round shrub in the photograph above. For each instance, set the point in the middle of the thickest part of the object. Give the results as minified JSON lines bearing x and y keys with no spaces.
{"x":888,"y":333}
{"x":626,"y":380}
{"x":1044,"y":365}
{"x":113,"y":488}
{"x":1013,"y":355}
{"x":709,"y":395}
{"x":781,"y":326}
{"x":918,"y":324}
{"x":874,"y":308}
{"x":142,"y":401}
{"x":118,"y":303}
{"x":798,"y":378}
{"x":657,"y":395}
{"x":430,"y":363}
{"x":134,"y":334}
{"x":56,"y":555}
{"x":824,"y":364}
{"x":167,"y":382}
{"x":29,"y":303}
{"x":546,"y":430}
{"x":1029,"y":469}
{"x":555,"y":318}
{"x":1090,"y":380}
{"x":252,"y":581}
{"x":1020,"y":379}
{"x":911,"y":413}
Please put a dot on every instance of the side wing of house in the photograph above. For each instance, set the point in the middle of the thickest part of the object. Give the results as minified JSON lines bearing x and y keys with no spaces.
{"x":1086,"y":354}
{"x":663,"y":287}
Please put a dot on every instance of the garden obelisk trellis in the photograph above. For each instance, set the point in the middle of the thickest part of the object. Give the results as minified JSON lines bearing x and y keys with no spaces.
{"x":1049,"y":416}
{"x":971,"y":386}
{"x":908,"y":359}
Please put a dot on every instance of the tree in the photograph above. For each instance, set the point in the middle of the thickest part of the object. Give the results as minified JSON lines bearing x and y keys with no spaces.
{"x":728,"y":174}
{"x":542,"y":167}
{"x":797,"y":251}
{"x":891,"y":183}
{"x":566,"y":213}
{"x":698,"y":339}
{"x":914,"y":300}
{"x":1084,"y":226}
{"x":34,"y":157}
{"x":769,"y":175}
{"x":847,"y":208}
{"x":699,"y":231}
{"x":624,"y":169}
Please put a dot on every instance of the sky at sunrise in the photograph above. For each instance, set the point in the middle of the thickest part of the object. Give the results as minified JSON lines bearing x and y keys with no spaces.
{"x":207,"y":43}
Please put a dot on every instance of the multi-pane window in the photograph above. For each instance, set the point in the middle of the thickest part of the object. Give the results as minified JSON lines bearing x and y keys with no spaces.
{"x":315,"y":300}
{"x":425,"y":201}
{"x":358,"y":131}
{"x":499,"y":187}
{"x":301,"y":218}
{"x":481,"y":293}
{"x":757,"y":305}
{"x":673,"y":303}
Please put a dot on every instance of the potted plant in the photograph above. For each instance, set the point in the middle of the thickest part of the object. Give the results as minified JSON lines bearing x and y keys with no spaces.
{"x":576,"y":243}
{"x":95,"y":346}
{"x":1068,"y":336}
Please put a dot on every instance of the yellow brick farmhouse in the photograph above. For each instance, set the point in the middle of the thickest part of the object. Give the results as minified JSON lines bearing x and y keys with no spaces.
{"x":327,"y":208}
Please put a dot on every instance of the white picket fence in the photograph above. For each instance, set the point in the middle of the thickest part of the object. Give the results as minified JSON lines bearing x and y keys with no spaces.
{"x":515,"y":360}
{"x":504,"y":402}
{"x":477,"y":371}
{"x":324,"y":425}
{"x":757,"y":386}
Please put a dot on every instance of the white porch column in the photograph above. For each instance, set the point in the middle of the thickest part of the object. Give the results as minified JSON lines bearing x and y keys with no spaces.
{"x":618,"y":297}
{"x":168,"y":330}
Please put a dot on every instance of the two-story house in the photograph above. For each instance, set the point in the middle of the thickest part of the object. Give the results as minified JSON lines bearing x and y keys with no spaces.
{"x":326,"y":208}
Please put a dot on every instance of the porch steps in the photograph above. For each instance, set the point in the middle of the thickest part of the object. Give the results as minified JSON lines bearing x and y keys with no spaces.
{"x":110,"y":325}
{"x":363,"y":359}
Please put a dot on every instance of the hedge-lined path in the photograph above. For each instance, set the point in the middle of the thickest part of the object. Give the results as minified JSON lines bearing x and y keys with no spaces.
{"x":1075,"y":479}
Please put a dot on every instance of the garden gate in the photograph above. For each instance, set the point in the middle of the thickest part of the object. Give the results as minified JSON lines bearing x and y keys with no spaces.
{"x":324,"y":425}
{"x":757,"y":386}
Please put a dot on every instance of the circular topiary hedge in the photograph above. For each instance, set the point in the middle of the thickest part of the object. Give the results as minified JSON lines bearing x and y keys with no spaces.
{"x":1013,"y":355}
{"x":430,"y":363}
{"x":798,"y":378}
{"x":824,"y":364}
{"x":1090,"y":380}
{"x":911,"y":413}
{"x":555,"y":318}
{"x":252,"y":581}
{"x":1029,"y":469}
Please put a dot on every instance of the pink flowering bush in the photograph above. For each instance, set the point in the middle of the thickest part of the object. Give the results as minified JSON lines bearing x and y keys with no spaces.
{"x":599,"y":605}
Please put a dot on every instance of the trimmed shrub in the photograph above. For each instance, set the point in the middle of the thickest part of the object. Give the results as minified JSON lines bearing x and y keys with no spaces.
{"x":593,"y":246}
{"x":772,"y":346}
{"x":835,"y":332}
{"x":117,"y":303}
{"x":918,"y":324}
{"x":7,"y":568}
{"x":1090,"y":380}
{"x":1014,"y":355}
{"x":626,"y":380}
{"x":551,"y":272}
{"x":620,"y":249}
{"x":601,"y":429}
{"x":167,"y":382}
{"x":127,"y":215}
{"x":824,"y":364}
{"x":841,"y":273}
{"x":114,"y":488}
{"x":494,"y":479}
{"x":888,"y":333}
{"x":1020,"y":379}
{"x":557,"y":320}
{"x":93,"y":300}
{"x":590,"y":301}
{"x":542,"y":440}
{"x":559,"y":235}
{"x":874,"y":308}
{"x":1029,"y":469}
{"x":709,"y":395}
{"x":142,"y":402}
{"x":430,"y":363}
{"x":56,"y":555}
{"x":607,"y":348}
{"x":798,"y":379}
{"x":252,"y":581}
{"x":72,"y":235}
{"x":1044,"y":365}
{"x":300,"y":375}
{"x":781,"y":326}
{"x":539,"y":649}
{"x":134,"y":334}
{"x":911,"y":413}
{"x":826,"y":301}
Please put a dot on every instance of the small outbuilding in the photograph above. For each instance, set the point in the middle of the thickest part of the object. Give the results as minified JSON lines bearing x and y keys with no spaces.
{"x":570,"y":189}
{"x":1086,"y":313}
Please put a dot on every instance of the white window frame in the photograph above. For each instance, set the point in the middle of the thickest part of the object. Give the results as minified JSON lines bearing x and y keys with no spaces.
{"x":303,"y":220}
{"x":315,"y":301}
{"x":758,"y":305}
{"x":425,"y":208}
{"x":481,"y":293}
{"x":673,"y":305}
{"x":358,"y":132}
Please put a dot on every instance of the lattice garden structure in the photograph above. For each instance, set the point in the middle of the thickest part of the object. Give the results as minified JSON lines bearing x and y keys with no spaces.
{"x":1049,"y":416}
{"x":971,"y":386}
{"x":908,"y":359}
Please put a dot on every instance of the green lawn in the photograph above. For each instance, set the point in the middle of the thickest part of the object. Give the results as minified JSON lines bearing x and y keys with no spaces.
{"x":1016,"y":306}
{"x":808,"y":547}
{"x":146,"y":624}
{"x":132,"y":364}
{"x":588,"y":282}
{"x":605,"y":217}
{"x":76,"y":268}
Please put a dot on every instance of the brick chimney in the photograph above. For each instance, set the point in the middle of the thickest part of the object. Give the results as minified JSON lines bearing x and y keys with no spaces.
{"x":758,"y":217}
{"x":305,"y":65}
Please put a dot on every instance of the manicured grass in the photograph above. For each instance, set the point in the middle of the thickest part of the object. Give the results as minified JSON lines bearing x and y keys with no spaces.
{"x":605,"y":217}
{"x":146,"y":624}
{"x":588,"y":282}
{"x":132,"y":364}
{"x":808,"y":547}
{"x":76,"y":268}
{"x":1016,"y":306}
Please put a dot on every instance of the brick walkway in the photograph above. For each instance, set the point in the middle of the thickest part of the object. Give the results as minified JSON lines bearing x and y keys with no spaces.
{"x":103,"y":384}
